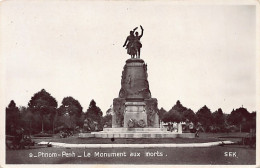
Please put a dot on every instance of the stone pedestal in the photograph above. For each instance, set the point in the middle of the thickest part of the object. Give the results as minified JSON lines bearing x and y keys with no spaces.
{"x":152,"y":113}
{"x":134,"y":101}
{"x":118,"y":112}
{"x":134,"y":111}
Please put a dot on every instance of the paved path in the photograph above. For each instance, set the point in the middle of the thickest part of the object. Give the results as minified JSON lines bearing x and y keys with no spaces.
{"x":66,"y":145}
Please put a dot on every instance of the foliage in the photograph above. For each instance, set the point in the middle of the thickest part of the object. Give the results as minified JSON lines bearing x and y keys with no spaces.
{"x":72,"y":108}
{"x":90,"y":125}
{"x":243,"y":119}
{"x":12,"y":117}
{"x":175,"y":114}
{"x":205,"y":117}
{"x":109,"y":111}
{"x":238,"y":116}
{"x":252,"y":120}
{"x":190,"y":115}
{"x":172,"y":116}
{"x":179,"y":107}
{"x":94,"y":113}
{"x":218,"y":117}
{"x":43,"y":104}
{"x":219,"y":124}
{"x":29,"y":121}
{"x":43,"y":107}
{"x":63,"y":122}
{"x":161,"y":112}
{"x":107,"y":121}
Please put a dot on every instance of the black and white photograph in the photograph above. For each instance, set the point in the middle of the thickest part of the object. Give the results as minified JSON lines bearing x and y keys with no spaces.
{"x":129,"y":83}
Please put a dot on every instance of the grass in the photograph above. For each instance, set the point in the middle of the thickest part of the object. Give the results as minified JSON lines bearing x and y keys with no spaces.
{"x":204,"y":137}
{"x":76,"y":140}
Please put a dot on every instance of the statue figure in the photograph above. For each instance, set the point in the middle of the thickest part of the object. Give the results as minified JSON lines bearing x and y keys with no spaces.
{"x":129,"y":43}
{"x":137,"y":43}
{"x":133,"y":44}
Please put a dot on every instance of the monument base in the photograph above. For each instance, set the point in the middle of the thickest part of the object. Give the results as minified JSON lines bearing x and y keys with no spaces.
{"x":136,"y":133}
{"x":134,"y":111}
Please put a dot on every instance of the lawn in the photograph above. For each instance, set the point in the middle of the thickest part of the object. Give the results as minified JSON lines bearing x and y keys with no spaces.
{"x":76,"y":140}
{"x":204,"y":137}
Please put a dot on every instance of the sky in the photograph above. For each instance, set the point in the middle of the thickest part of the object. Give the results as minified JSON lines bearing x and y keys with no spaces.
{"x":198,"y":54}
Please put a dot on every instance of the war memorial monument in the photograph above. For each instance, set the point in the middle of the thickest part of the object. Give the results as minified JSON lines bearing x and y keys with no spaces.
{"x":135,"y":112}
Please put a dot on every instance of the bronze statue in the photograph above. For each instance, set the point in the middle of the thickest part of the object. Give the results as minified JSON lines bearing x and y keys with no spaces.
{"x":133,"y":44}
{"x":137,"y":43}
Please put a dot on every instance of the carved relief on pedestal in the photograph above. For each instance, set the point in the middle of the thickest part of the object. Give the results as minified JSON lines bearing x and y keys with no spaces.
{"x":123,"y":77}
{"x":152,"y":112}
{"x":134,"y":82}
{"x":122,"y":93}
{"x":118,"y":108}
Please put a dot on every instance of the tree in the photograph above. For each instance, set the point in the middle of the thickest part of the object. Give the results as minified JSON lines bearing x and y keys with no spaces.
{"x":177,"y":113}
{"x":94,"y":113}
{"x":109,"y":111}
{"x":166,"y":117}
{"x":179,"y":107}
{"x":12,"y":117}
{"x":70,"y":106}
{"x":219,"y":120}
{"x":240,"y":117}
{"x":29,"y":121}
{"x":73,"y":109}
{"x":161,"y":112}
{"x":43,"y":103}
{"x":205,"y":117}
{"x":218,"y":117}
{"x":172,"y":116}
{"x":190,"y":115}
{"x":107,"y":119}
{"x":252,"y":120}
{"x":26,"y":119}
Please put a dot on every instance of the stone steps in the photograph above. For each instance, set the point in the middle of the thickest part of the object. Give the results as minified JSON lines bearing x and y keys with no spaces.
{"x":134,"y":129}
{"x":140,"y":132}
{"x":136,"y":135}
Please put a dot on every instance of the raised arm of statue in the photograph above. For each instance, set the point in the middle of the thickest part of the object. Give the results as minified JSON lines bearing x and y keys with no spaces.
{"x":135,"y":29}
{"x":142,"y":31}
